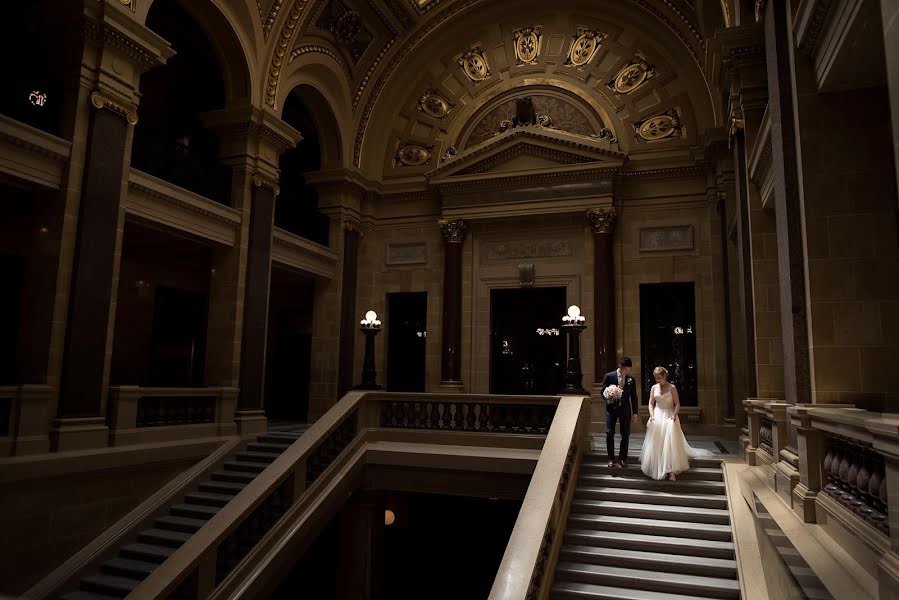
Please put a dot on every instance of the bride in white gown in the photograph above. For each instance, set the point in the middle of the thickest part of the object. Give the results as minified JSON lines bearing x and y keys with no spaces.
{"x":665,"y":450}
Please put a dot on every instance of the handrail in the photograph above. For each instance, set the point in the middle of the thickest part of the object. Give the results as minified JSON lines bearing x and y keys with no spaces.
{"x":68,"y":573}
{"x":529,"y":560}
{"x":206,"y":559}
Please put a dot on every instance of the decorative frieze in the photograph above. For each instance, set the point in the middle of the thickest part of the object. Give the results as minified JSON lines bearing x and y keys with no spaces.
{"x":528,"y":249}
{"x":660,"y":239}
{"x":632,"y":76}
{"x":407,"y":254}
{"x":659,"y":127}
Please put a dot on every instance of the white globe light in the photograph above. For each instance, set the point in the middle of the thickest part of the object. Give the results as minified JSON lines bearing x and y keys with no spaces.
{"x":371,"y":316}
{"x":574,"y":311}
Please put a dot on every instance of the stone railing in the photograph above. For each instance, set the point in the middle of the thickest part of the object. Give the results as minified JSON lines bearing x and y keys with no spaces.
{"x":841,"y":477}
{"x":527,"y":567}
{"x":212,"y":561}
{"x":144,"y":415}
{"x":25,"y":413}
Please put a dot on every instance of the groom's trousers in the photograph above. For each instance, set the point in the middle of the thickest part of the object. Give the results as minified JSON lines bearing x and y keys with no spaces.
{"x":623,"y":415}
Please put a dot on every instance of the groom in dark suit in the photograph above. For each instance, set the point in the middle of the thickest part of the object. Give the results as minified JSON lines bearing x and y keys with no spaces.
{"x":623,"y":410}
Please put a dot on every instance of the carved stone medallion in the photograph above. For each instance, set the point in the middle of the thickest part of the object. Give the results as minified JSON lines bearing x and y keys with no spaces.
{"x":527,"y":44}
{"x":659,"y":127}
{"x":632,"y":76}
{"x":412,"y":155}
{"x":433,"y":104}
{"x":474,"y":65}
{"x":583,"y":48}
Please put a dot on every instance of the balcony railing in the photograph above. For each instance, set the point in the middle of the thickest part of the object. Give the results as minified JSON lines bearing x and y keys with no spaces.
{"x":143,"y":415}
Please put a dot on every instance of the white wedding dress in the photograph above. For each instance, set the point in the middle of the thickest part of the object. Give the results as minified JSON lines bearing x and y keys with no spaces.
{"x":665,"y":449}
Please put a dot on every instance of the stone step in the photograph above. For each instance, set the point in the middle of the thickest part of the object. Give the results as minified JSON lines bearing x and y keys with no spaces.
{"x":233,"y":477}
{"x":163,"y":537}
{"x":573,"y":590}
{"x":639,"y":482}
{"x":672,"y":583}
{"x":147,"y":552}
{"x":208,"y":499}
{"x":279,"y":437}
{"x":109,"y":584}
{"x":183,"y":524}
{"x":651,"y":511}
{"x":245,"y":467}
{"x":705,"y":531}
{"x":230,"y":488}
{"x":82,"y":595}
{"x":269,"y":447}
{"x":658,"y":543}
{"x":633,"y":470}
{"x":650,"y":561}
{"x":128,"y":567}
{"x":194,"y":511}
{"x":255,"y":457}
{"x":652,"y":496}
{"x":601,"y":458}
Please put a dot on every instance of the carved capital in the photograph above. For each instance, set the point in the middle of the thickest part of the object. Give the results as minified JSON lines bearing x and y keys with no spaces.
{"x":602,"y":220}
{"x":453,"y":232}
{"x":266,"y":181}
{"x":101,"y":101}
{"x":351,"y":225}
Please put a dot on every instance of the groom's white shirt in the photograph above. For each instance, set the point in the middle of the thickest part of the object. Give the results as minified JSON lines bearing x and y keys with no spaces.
{"x":621,"y":378}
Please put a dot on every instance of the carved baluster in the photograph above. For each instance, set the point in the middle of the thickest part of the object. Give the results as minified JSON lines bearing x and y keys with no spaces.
{"x":417,"y":415}
{"x":470,"y":418}
{"x":861,"y":484}
{"x":476,"y":409}
{"x":850,"y":495}
{"x":484,"y":418}
{"x":463,"y":416}
{"x":451,"y":421}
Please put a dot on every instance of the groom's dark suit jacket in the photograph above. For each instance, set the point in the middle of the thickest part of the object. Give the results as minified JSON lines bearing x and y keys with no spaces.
{"x":629,"y":389}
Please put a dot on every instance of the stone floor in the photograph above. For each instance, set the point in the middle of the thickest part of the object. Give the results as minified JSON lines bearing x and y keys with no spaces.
{"x":715,"y":444}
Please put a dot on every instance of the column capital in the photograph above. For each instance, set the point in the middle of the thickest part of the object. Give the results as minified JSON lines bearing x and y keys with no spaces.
{"x":253,"y":135}
{"x":453,"y":231}
{"x":602,"y":220}
{"x":263,"y":180}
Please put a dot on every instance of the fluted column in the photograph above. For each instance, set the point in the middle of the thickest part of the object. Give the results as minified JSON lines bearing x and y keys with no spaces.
{"x":602,"y":222}
{"x":450,"y":346}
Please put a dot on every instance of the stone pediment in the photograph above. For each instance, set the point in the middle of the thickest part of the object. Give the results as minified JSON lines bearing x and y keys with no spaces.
{"x":528,"y":150}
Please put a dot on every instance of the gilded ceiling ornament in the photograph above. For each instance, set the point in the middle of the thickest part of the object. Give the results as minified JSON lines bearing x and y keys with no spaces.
{"x":527,"y":44}
{"x":602,"y":220}
{"x":474,"y":65}
{"x":412,"y":155}
{"x":583,"y":48}
{"x":632,"y":76}
{"x":453,"y":232}
{"x":659,"y":127}
{"x":433,"y":104}
{"x":605,"y":134}
{"x":450,"y":153}
{"x":132,"y":4}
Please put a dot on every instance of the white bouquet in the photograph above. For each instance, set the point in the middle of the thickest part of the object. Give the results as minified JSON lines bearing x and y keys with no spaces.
{"x":612,"y":393}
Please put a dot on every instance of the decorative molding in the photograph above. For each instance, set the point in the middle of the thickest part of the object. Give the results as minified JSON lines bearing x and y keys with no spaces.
{"x":347,"y":27}
{"x":660,"y":239}
{"x":453,"y":232}
{"x":528,"y":249}
{"x":268,"y":21}
{"x":591,"y":174}
{"x":475,"y":65}
{"x":131,"y":4}
{"x":301,"y":254}
{"x":266,"y":181}
{"x":659,"y":127}
{"x":407,"y":254}
{"x":814,"y":19}
{"x":685,"y":171}
{"x":602,"y":221}
{"x":528,"y":43}
{"x":412,"y":155}
{"x":101,"y":101}
{"x":637,"y":72}
{"x":99,"y":34}
{"x":277,"y":62}
{"x":370,"y":71}
{"x":319,"y":49}
{"x":584,"y":46}
{"x":434,"y":104}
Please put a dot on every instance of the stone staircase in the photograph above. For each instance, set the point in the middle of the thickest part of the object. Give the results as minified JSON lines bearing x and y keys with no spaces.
{"x":135,"y":561}
{"x":631,"y":538}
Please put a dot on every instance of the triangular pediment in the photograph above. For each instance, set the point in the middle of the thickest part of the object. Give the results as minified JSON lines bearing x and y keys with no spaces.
{"x":528,"y":149}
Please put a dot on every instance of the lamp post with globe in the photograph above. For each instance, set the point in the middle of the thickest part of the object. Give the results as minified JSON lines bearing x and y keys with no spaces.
{"x":370,"y":327}
{"x":572,"y":326}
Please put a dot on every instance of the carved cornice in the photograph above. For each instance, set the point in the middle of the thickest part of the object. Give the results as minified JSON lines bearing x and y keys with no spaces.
{"x":453,"y":232}
{"x":591,"y":174}
{"x":101,"y":101}
{"x":42,"y":144}
{"x":266,"y":181}
{"x":813,"y":20}
{"x":215,"y":212}
{"x":685,"y":171}
{"x":100,"y":34}
{"x":602,"y":221}
{"x":278,"y":59}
